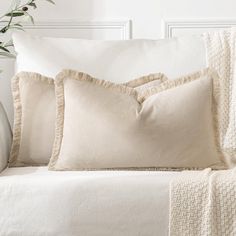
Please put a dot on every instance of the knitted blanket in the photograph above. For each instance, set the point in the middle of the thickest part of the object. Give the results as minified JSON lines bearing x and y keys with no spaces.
{"x":221,"y":56}
{"x":204,"y":203}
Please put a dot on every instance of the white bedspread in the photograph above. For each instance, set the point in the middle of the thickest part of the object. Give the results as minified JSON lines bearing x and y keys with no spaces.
{"x":36,"y":202}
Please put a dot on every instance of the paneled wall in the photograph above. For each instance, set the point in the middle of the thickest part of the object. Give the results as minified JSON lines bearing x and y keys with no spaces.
{"x":146,"y":15}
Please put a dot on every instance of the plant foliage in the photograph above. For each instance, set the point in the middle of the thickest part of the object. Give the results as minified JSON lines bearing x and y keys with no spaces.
{"x":14,"y":19}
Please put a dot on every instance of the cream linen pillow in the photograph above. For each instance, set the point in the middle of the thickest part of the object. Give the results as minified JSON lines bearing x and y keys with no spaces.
{"x":101,"y":125}
{"x":34,"y":119}
{"x":34,"y":125}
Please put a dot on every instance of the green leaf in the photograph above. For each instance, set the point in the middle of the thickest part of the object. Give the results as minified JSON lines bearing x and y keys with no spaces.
{"x":17,"y":3}
{"x":18,"y":24}
{"x":4,"y":29}
{"x":14,"y":5}
{"x":32,"y":4}
{"x":51,"y":1}
{"x":8,"y":44}
{"x":7,"y":54}
{"x":16,"y":27}
{"x":4,"y":49}
{"x":29,"y":17}
{"x":15,"y":14}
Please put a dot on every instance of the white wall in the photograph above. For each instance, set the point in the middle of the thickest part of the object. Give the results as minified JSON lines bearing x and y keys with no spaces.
{"x":146,"y":15}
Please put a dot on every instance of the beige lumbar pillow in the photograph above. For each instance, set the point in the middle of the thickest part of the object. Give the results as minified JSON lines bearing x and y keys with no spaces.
{"x":34,"y":119}
{"x":35,"y":114}
{"x":102,"y":125}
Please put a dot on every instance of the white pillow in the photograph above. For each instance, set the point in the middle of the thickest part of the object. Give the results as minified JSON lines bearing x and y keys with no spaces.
{"x":102,"y":125}
{"x":117,"y":61}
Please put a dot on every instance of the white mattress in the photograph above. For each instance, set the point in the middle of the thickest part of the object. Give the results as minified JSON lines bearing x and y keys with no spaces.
{"x":35,"y":201}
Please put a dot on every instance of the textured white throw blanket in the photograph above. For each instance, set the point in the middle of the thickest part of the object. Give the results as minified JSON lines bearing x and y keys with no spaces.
{"x":221,"y":56}
{"x":204,"y":203}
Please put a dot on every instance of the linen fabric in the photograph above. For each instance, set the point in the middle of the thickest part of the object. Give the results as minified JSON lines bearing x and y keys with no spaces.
{"x":34,"y":122}
{"x":35,"y":115}
{"x":102,"y":125}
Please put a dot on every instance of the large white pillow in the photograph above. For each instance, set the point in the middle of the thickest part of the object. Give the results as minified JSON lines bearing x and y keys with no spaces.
{"x":173,"y":125}
{"x":117,"y":61}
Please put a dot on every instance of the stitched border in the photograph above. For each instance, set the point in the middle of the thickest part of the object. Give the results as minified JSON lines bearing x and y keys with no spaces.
{"x":17,"y":126}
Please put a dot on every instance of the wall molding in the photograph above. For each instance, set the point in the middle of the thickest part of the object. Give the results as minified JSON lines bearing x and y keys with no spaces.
{"x":123,"y":25}
{"x":171,"y":25}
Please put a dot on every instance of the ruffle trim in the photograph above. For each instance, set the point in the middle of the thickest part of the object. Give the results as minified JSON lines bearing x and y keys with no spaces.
{"x":53,"y":168}
{"x":146,"y":79}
